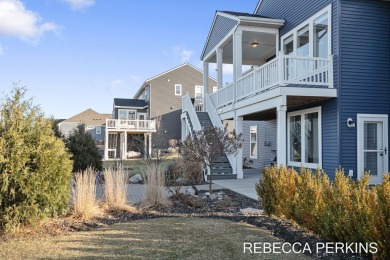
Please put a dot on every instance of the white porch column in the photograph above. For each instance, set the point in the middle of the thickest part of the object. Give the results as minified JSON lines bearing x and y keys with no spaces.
{"x":237,"y":59}
{"x":205,"y":76}
{"x":124,"y":147}
{"x":150,"y":144}
{"x":219,"y":67}
{"x":106,"y":143}
{"x":281,"y":137}
{"x":145,"y":145}
{"x":238,"y":122}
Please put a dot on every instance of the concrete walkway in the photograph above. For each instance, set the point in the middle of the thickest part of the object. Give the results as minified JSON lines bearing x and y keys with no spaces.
{"x":244,"y":186}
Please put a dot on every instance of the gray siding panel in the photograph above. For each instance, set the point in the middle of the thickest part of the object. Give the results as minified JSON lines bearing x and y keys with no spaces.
{"x":365,"y":68}
{"x":266,"y":131}
{"x":222,"y":26}
{"x":164,"y":102}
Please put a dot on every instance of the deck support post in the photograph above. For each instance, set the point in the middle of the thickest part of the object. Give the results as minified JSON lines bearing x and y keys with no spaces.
{"x":281,"y":136}
{"x":237,"y":168}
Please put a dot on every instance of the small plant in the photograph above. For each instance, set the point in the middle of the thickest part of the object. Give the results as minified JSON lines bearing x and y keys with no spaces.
{"x":84,"y":194}
{"x":115,"y":188}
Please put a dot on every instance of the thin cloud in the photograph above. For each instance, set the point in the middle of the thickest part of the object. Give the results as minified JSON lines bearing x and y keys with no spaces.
{"x":79,"y":5}
{"x":180,"y":53}
{"x":17,"y":21}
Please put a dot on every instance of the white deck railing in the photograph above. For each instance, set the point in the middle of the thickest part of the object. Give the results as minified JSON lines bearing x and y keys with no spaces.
{"x":188,"y":107}
{"x":135,"y":125}
{"x":281,"y":71}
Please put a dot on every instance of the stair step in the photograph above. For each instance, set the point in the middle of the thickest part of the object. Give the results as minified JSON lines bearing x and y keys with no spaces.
{"x":221,"y":165}
{"x":222,"y":170}
{"x":221,"y":176}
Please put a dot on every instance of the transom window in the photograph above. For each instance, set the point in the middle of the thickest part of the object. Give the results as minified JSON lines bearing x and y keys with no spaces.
{"x":310,"y":38}
{"x":304,"y":138}
{"x":177,"y":90}
{"x":253,"y":141}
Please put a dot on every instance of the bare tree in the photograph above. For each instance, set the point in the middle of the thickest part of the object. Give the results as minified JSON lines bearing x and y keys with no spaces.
{"x":208,"y":145}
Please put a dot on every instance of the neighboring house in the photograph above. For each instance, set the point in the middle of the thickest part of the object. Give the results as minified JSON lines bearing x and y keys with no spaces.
{"x":321,"y":72}
{"x":128,"y":134}
{"x":94,"y":122}
{"x":164,"y":92}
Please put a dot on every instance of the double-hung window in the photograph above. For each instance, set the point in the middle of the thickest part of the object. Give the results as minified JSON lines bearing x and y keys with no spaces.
{"x":177,"y":90}
{"x":98,"y":130}
{"x":304,"y":138}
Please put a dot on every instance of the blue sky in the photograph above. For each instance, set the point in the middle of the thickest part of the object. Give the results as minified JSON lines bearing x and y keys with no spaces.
{"x":78,"y":54}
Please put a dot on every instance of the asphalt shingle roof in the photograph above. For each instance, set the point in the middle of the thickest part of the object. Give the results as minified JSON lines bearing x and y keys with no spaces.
{"x":124,"y":102}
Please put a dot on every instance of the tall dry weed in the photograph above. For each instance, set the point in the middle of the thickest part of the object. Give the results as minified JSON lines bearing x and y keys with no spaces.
{"x":84,"y":194}
{"x":155,"y":185}
{"x":115,"y":188}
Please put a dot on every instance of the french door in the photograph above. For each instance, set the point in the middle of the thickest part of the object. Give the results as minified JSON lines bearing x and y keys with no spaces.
{"x":372,"y":146}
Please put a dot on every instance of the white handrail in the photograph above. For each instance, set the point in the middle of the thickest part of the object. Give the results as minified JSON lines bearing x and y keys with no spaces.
{"x":188,"y":107}
{"x":131,"y":124}
{"x":216,"y":121}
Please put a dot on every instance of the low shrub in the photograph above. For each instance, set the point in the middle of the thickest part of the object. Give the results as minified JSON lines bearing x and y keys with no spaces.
{"x":84,"y":194}
{"x":344,"y":210}
{"x":115,"y":188}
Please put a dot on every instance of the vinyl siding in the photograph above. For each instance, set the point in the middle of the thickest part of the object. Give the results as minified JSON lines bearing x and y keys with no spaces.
{"x":163,"y":96}
{"x":294,"y":14}
{"x":266,"y":131}
{"x":222,"y":26}
{"x":365,"y":68}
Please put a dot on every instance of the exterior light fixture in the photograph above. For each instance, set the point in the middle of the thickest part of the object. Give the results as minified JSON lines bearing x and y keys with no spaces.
{"x":254,"y":44}
{"x":350,"y":122}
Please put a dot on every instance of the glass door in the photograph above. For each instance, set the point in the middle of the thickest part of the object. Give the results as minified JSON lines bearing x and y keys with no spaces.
{"x":372,"y":147}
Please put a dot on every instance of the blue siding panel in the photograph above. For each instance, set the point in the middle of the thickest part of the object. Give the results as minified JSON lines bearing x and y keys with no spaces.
{"x":365,"y":68}
{"x":295,"y":13}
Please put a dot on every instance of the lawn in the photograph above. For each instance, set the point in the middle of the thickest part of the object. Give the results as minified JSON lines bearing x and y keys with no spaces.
{"x":163,"y":238}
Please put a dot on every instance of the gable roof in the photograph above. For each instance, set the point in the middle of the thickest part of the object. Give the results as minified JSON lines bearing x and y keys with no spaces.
{"x":146,"y":82}
{"x":126,"y":102}
{"x":227,"y":21}
{"x":89,"y":117}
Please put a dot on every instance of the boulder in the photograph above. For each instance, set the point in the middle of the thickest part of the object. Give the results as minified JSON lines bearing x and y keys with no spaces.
{"x":136,"y":178}
{"x":190,"y":191}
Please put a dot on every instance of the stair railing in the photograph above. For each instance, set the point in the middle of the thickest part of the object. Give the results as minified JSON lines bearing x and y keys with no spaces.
{"x":188,"y":107}
{"x":216,"y":121}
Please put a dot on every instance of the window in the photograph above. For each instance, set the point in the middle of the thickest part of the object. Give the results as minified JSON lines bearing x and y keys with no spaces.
{"x":127,"y":114}
{"x":198,"y":91}
{"x":304,"y":138}
{"x":253,"y":142}
{"x":215,"y":89}
{"x":177,"y":90}
{"x":98,"y":130}
{"x":311,"y":38}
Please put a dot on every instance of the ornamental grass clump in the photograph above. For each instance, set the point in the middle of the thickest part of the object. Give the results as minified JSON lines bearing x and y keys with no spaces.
{"x":84,"y":205}
{"x":155,"y":186}
{"x":115,"y":188}
{"x":344,"y":210}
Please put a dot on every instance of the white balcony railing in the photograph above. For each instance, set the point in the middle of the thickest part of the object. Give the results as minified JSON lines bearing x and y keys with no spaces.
{"x":136,"y":125}
{"x":284,"y":70}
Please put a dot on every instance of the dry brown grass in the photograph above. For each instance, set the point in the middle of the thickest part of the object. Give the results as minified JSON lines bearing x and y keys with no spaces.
{"x":155,"y":185}
{"x":84,"y":204}
{"x":115,"y":188}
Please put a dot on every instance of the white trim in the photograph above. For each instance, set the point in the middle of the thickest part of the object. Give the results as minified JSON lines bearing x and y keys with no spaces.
{"x":215,"y":89}
{"x":302,"y":113}
{"x":254,"y":127}
{"x":178,"y":85}
{"x":310,"y":22}
{"x":257,"y":7}
{"x":361,"y":118}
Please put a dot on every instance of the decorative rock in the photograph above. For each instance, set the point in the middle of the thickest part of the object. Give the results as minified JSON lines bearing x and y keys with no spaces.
{"x":207,"y":193}
{"x":136,"y":178}
{"x":213,"y":196}
{"x":190,"y":191}
{"x":221,"y":193}
{"x":252,"y":211}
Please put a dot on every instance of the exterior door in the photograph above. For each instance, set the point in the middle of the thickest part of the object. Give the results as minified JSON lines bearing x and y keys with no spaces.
{"x":372,"y":144}
{"x":142,"y":118}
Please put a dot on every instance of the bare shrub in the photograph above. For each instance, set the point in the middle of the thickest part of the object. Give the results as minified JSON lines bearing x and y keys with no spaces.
{"x":224,"y":203}
{"x":194,"y":202}
{"x":115,"y":188}
{"x":155,"y":184}
{"x":84,"y":194}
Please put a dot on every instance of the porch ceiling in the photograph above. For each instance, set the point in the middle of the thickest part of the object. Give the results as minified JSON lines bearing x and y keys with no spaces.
{"x":227,"y":22}
{"x":250,"y":56}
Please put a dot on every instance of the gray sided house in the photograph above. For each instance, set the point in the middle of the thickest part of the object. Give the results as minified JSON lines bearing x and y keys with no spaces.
{"x":320,"y":71}
{"x":94,"y":122}
{"x":164,"y":92}
{"x":128,"y":133}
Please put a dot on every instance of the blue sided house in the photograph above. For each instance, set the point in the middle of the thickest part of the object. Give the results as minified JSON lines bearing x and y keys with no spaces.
{"x":317,"y":70}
